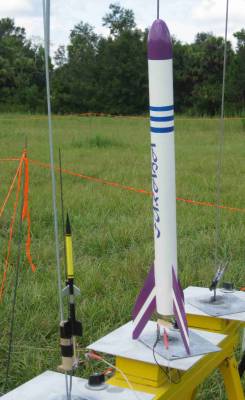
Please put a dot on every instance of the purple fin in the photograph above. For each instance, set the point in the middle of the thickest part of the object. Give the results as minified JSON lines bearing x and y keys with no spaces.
{"x":179,"y":311}
{"x":145,"y":304}
{"x":181,"y":291}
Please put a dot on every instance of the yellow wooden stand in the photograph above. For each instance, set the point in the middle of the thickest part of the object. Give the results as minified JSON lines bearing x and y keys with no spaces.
{"x":150,"y":378}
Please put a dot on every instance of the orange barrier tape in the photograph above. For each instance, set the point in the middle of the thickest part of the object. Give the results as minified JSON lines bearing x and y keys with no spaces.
{"x":92,"y":178}
{"x":9,"y":159}
{"x":131,"y":188}
{"x":11,"y":229}
{"x":26,"y":213}
{"x":10,"y":190}
{"x":208,"y":204}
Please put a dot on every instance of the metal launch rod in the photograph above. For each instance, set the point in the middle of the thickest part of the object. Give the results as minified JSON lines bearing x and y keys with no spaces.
{"x":46,"y":25}
{"x":62,"y":207}
{"x":221,"y":143}
{"x":46,"y":19}
{"x":158,"y":8}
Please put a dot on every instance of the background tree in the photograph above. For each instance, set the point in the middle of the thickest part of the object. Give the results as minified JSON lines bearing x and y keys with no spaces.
{"x":74,"y":82}
{"x":22,"y":82}
{"x":109,"y":74}
{"x":119,"y":19}
{"x":236,"y":77}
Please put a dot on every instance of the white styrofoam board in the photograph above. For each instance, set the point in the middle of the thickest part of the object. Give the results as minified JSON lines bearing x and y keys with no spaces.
{"x":120,"y":343}
{"x":49,"y":385}
{"x":194,"y":291}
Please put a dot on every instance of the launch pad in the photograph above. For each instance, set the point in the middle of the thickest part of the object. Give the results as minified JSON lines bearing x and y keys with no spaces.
{"x":228,"y":305}
{"x":120,"y":343}
{"x":175,"y":351}
{"x":169,"y":379}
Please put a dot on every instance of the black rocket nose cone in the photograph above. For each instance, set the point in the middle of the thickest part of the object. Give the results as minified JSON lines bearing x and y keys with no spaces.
{"x":68,"y":225}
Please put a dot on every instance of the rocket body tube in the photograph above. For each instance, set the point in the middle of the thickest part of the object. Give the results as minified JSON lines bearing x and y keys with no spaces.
{"x":160,"y":66}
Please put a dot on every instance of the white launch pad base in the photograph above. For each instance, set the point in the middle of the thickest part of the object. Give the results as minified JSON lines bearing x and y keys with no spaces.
{"x":195,"y":304}
{"x":120,"y":343}
{"x":51,"y":386}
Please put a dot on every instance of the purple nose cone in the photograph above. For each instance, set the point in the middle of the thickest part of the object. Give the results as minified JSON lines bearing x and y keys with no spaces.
{"x":159,"y":42}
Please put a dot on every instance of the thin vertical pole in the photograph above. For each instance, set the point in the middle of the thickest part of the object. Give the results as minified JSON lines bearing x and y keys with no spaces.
{"x":158,"y":8}
{"x":221,"y":143}
{"x":46,"y":9}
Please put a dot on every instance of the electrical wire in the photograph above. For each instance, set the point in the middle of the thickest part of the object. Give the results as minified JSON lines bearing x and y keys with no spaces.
{"x":94,"y":356}
{"x":167,"y":370}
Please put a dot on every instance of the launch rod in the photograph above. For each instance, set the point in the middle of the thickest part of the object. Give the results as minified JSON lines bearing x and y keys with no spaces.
{"x":62,"y":208}
{"x":46,"y":19}
{"x":221,"y":142}
{"x":46,"y":25}
{"x":158,"y":8}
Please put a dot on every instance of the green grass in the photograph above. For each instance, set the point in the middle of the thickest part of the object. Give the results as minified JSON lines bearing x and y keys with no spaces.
{"x":112,"y":228}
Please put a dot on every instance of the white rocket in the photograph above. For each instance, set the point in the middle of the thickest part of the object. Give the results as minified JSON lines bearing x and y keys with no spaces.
{"x":162,"y":291}
{"x":160,"y":65}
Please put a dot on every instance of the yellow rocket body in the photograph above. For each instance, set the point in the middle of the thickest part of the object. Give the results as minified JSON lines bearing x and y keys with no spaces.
{"x":69,"y":257}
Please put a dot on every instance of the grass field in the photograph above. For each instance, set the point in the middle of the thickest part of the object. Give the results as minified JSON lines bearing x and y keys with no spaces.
{"x":112,"y":227}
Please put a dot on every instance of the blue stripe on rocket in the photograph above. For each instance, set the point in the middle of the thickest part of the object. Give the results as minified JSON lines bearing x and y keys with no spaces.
{"x":162,"y":130}
{"x":163,"y":108}
{"x":162,"y":119}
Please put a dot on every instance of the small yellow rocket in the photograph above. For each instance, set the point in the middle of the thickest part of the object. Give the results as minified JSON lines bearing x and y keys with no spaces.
{"x":71,"y":328}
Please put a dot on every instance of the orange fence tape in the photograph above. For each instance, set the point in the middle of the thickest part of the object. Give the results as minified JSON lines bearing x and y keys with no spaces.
{"x":11,"y":229}
{"x":130,"y":188}
{"x":10,"y":190}
{"x":133,"y":189}
{"x":25,"y":215}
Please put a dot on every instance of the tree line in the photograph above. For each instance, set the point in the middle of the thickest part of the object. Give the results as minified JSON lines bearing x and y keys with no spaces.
{"x":101,"y":74}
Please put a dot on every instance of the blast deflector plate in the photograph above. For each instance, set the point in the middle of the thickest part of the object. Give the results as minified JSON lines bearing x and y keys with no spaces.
{"x":225,"y":304}
{"x":176,"y":350}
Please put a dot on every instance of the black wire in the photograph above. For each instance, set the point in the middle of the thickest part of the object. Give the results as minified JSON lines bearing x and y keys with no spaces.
{"x":11,"y":330}
{"x":167,"y":370}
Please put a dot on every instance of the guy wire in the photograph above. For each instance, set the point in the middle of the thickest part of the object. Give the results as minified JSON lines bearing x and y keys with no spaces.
{"x":221,"y":144}
{"x":16,"y":281}
{"x":46,"y":19}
